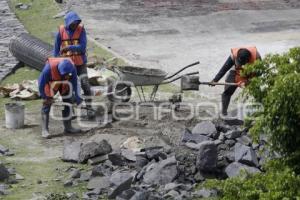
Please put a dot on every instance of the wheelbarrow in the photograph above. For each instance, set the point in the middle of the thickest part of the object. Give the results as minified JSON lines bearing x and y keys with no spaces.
{"x":128,"y":76}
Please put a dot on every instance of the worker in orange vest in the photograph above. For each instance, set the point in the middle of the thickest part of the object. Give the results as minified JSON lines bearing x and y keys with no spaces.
{"x":71,"y":41}
{"x":57,"y":76}
{"x":238,"y":58}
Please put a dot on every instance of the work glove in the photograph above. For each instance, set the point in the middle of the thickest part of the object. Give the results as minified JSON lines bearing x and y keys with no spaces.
{"x":241,"y":84}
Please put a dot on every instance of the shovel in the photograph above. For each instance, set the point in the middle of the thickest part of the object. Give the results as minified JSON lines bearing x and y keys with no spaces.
{"x":192,"y":83}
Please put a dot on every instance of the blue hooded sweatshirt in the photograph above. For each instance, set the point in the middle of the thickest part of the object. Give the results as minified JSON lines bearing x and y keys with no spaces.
{"x":81,"y":47}
{"x":64,"y":67}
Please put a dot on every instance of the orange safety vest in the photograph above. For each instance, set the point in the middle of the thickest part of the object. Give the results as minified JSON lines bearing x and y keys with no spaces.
{"x":66,"y":41}
{"x":253,"y":58}
{"x":54,"y":85}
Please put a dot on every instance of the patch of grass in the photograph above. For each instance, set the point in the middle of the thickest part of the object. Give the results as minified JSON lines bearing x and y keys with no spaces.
{"x":36,"y":160}
{"x":24,"y":73}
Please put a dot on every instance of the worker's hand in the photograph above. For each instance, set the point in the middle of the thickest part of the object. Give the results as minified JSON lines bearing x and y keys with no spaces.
{"x":48,"y":101}
{"x":64,"y":50}
{"x":241,"y":84}
{"x":78,"y":100}
{"x":212,"y":83}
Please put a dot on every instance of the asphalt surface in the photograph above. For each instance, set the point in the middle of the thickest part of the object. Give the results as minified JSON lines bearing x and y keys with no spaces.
{"x":170,"y":34}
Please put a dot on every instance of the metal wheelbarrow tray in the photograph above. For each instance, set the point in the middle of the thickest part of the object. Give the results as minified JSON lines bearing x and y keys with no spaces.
{"x":141,"y":76}
{"x":137,"y":76}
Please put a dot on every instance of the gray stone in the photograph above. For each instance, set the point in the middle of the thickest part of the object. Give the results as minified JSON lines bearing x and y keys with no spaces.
{"x":128,"y":154}
{"x":72,"y":196}
{"x":140,"y":195}
{"x":245,"y":154}
{"x":3,"y":149}
{"x":4,"y":173}
{"x":98,"y":182}
{"x":230,"y":142}
{"x":71,"y":151}
{"x":230,"y":156}
{"x":68,"y":183}
{"x":193,"y":146}
{"x":207,"y":156}
{"x":155,"y":153}
{"x":245,"y":140}
{"x":19,"y":177}
{"x":122,"y":181}
{"x":234,"y":169}
{"x":205,"y":128}
{"x":204,"y":193}
{"x":85,"y":176}
{"x":92,"y":149}
{"x":187,"y":136}
{"x":199,"y":177}
{"x":141,"y":160}
{"x":116,"y":158}
{"x":126,"y":195}
{"x":233,"y":134}
{"x":172,"y":194}
{"x":97,"y":160}
{"x":223,"y":147}
{"x":75,"y":173}
{"x":161,"y":173}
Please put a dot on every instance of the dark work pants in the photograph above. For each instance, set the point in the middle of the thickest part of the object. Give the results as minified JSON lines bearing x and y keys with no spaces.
{"x":228,"y":91}
{"x":65,"y":112}
{"x":84,"y":81}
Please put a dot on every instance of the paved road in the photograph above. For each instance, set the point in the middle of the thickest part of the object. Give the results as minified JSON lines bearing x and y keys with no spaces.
{"x":169,"y":34}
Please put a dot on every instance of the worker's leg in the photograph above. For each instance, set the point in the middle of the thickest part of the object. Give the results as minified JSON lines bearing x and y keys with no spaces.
{"x":45,"y":120}
{"x":66,"y":114}
{"x":228,"y":91}
{"x":84,"y":81}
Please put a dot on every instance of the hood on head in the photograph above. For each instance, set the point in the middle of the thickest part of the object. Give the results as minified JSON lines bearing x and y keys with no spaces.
{"x":65,"y":67}
{"x":71,"y":17}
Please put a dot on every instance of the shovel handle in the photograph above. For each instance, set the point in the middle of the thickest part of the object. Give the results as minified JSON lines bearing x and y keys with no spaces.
{"x":209,"y":83}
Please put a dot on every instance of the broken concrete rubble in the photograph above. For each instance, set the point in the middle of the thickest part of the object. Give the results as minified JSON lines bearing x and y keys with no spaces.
{"x":93,"y":149}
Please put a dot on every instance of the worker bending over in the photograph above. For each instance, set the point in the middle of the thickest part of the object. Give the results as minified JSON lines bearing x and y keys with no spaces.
{"x":57,"y":76}
{"x":238,"y":58}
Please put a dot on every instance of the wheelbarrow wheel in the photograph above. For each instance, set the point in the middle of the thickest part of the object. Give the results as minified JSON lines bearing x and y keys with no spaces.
{"x":119,"y":92}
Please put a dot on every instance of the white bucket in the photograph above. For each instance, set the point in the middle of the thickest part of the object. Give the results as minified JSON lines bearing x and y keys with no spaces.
{"x":14,"y":115}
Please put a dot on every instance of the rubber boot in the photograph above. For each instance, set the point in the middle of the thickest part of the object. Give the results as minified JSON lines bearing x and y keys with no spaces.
{"x":69,"y":129}
{"x":45,"y":124}
{"x":68,"y":122}
{"x":225,"y":104}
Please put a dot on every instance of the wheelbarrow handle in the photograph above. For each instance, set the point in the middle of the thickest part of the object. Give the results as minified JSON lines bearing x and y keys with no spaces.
{"x":190,"y":65}
{"x":209,"y":83}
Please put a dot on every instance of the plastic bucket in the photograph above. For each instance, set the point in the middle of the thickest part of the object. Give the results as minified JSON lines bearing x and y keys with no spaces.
{"x":14,"y":115}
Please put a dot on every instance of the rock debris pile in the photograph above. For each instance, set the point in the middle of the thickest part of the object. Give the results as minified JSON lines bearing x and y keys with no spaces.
{"x":210,"y":150}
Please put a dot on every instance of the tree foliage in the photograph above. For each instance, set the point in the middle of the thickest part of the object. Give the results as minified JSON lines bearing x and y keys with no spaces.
{"x":276,"y":87}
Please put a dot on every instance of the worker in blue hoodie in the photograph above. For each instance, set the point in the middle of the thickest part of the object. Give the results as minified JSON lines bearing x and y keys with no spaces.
{"x":71,"y":42}
{"x":57,"y":76}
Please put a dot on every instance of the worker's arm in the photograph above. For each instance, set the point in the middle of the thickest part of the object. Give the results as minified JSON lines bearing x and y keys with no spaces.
{"x":227,"y":65}
{"x":57,"y":44}
{"x":76,"y":90}
{"x":44,"y":79}
{"x":81,"y":47}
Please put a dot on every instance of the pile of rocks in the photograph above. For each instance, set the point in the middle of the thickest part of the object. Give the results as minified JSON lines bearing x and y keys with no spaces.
{"x":8,"y":176}
{"x":210,"y":150}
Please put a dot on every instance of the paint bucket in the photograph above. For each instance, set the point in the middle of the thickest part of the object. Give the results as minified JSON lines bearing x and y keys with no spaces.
{"x":14,"y":115}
